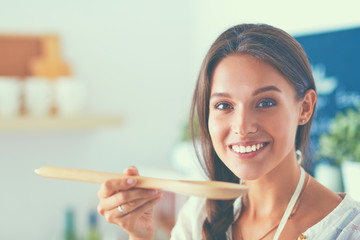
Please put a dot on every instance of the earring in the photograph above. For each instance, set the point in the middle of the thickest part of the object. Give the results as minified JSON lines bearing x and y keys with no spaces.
{"x":302,"y":120}
{"x":299,"y":156}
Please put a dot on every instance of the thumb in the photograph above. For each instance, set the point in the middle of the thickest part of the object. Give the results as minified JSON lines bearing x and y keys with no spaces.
{"x":131,"y":171}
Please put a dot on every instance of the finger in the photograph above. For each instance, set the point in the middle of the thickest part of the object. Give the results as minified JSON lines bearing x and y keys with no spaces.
{"x":124,"y":197}
{"x":114,"y":214}
{"x":131,"y":206}
{"x":112,"y":186}
{"x":147,"y":206}
{"x":131,"y":171}
{"x":127,"y":221}
{"x":108,"y":188}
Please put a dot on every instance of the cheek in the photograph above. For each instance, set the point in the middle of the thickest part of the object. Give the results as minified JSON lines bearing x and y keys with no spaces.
{"x":213,"y":129}
{"x":217,"y":130}
{"x":283,"y":128}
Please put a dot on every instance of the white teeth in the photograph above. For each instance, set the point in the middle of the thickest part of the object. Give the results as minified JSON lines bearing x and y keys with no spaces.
{"x":247,"y":149}
{"x":242,"y":149}
{"x":236,"y":148}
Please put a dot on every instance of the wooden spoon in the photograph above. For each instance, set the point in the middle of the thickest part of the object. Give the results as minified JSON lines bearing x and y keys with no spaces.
{"x":208,"y":189}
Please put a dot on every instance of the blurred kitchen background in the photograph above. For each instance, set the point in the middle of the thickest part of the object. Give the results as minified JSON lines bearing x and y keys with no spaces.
{"x":108,"y":84}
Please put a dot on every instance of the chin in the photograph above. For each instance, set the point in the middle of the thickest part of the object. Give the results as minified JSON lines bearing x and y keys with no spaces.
{"x":247,"y":174}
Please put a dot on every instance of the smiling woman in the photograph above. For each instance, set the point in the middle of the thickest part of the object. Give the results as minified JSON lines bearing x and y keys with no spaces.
{"x":255,"y":98}
{"x":254,"y":101}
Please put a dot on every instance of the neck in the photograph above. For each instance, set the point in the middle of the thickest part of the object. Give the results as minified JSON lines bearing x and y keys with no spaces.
{"x":270,"y":195}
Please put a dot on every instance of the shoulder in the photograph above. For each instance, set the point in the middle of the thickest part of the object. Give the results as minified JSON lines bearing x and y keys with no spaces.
{"x":190,"y":219}
{"x":342,"y":223}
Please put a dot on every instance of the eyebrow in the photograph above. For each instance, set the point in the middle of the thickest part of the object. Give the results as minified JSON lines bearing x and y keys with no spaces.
{"x":266,"y":89}
{"x":258,"y":91}
{"x":215,"y":95}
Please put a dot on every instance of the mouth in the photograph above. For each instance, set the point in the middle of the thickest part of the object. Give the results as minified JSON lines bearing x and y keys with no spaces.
{"x":248,"y":148}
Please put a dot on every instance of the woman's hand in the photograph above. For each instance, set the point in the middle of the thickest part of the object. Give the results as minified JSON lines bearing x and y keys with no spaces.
{"x":135,"y":213}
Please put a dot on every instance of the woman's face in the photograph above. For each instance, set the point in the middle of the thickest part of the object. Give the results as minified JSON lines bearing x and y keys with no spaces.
{"x":253,"y":117}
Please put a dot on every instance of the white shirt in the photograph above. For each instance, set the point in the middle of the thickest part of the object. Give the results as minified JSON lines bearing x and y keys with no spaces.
{"x":343,"y":223}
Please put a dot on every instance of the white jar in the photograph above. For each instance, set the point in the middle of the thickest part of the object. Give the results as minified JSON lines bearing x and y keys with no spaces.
{"x":37,"y":96}
{"x":70,"y":96}
{"x":9,"y":97}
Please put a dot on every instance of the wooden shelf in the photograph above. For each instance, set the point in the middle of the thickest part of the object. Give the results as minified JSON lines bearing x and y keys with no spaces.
{"x":28,"y":124}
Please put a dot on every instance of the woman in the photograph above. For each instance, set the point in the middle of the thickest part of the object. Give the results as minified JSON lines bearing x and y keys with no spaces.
{"x":255,"y":98}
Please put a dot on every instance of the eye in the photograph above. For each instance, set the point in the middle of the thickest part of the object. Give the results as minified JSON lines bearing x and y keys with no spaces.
{"x":222,"y":106}
{"x":266,"y":103}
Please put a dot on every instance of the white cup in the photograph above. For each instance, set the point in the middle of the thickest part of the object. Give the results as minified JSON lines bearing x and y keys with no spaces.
{"x":70,"y":96}
{"x":37,"y":95}
{"x":9,"y":97}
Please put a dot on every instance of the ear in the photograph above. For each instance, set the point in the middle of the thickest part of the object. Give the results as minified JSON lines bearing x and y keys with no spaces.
{"x":307,"y":106}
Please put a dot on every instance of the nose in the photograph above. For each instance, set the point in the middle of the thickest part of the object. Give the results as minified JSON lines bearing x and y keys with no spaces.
{"x":243,"y":123}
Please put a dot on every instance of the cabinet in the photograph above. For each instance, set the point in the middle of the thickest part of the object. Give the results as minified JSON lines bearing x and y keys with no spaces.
{"x":24,"y":56}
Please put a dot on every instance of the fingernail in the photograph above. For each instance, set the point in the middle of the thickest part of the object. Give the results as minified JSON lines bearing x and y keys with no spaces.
{"x":152,"y":191}
{"x":155,"y":192}
{"x":130,"y":181}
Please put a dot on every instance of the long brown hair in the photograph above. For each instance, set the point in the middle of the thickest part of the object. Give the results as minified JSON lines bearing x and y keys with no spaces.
{"x":272,"y":46}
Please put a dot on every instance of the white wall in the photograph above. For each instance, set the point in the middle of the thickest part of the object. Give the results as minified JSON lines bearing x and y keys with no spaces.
{"x":136,"y":61}
{"x":296,"y":17}
{"x":139,"y":61}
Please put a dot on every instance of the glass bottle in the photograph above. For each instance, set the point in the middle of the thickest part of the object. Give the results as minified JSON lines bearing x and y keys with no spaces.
{"x":69,"y":231}
{"x":93,"y":229}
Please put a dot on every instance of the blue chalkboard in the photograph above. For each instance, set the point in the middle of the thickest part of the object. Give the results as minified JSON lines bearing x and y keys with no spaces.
{"x":335,"y":61}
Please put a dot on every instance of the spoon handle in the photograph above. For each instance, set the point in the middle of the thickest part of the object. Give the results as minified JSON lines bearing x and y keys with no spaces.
{"x":90,"y":176}
{"x":208,"y":189}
